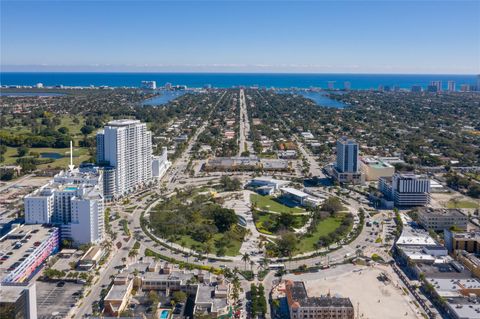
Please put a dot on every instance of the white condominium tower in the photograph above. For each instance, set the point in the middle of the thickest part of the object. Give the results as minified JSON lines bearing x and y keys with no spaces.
{"x":126,"y":145}
{"x":73,"y":201}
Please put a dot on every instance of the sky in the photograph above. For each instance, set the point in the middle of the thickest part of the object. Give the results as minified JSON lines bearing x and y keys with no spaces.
{"x":382,"y":36}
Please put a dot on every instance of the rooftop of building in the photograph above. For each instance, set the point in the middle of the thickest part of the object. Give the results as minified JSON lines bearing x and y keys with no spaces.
{"x":19,"y":243}
{"x":453,"y":287}
{"x":206,"y":295}
{"x":117,"y":292}
{"x":472,"y":235}
{"x":440,"y":212}
{"x":444,"y":270}
{"x":346,"y":140}
{"x":298,"y":293}
{"x":294,"y":191}
{"x":465,"y":307}
{"x":85,"y":179}
{"x":123,"y":122}
{"x":375,"y":162}
{"x":10,"y":294}
{"x":410,"y":175}
{"x":172,"y":276}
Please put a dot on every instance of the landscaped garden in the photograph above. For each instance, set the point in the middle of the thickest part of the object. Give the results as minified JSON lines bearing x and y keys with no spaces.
{"x":329,"y":224}
{"x":268,"y":223}
{"x":195,"y":219}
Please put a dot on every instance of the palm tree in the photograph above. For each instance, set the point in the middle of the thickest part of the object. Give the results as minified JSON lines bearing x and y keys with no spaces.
{"x":251,"y":265}
{"x":245,"y":258}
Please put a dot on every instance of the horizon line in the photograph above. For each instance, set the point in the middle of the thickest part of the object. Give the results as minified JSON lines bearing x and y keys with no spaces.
{"x":232,"y":72}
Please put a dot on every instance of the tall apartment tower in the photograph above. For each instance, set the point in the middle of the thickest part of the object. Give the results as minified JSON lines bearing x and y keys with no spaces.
{"x":347,"y":155}
{"x":437,"y":85}
{"x":127,"y":148}
{"x":347,"y":169}
{"x":451,"y":86}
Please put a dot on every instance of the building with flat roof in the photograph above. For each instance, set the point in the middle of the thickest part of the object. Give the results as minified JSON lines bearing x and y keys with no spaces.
{"x":118,"y":296}
{"x":374,"y":168}
{"x":441,"y":218}
{"x":347,"y":168}
{"x":250,"y":163}
{"x":91,"y":258}
{"x":302,"y":306}
{"x":457,"y":241}
{"x":18,"y":301}
{"x":126,"y":145}
{"x":72,"y":200}
{"x":300,"y":197}
{"x":24,"y":249}
{"x":406,"y":189}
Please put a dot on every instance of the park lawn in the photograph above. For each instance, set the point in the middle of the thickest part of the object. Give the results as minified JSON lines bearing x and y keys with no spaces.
{"x":269,"y":204}
{"x":324,"y":227}
{"x":262,"y":217}
{"x":79,"y":155}
{"x":462,"y":204}
{"x":232,"y":248}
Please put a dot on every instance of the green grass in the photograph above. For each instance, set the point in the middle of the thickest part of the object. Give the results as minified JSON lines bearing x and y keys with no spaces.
{"x":262,"y":217}
{"x":79,"y":155}
{"x":462,"y":204}
{"x":269,"y":204}
{"x":324,"y":227}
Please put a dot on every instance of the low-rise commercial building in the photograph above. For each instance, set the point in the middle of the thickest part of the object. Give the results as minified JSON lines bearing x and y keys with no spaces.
{"x":297,"y":196}
{"x":374,"y":168}
{"x":118,"y":296}
{"x":91,"y":258}
{"x":457,"y":241}
{"x":440,"y":218}
{"x":301,"y":306}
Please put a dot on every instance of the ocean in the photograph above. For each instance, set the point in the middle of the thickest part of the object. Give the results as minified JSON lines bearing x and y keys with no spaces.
{"x":227,"y":80}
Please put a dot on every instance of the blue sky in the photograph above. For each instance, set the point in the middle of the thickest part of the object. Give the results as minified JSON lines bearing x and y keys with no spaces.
{"x":355,"y":36}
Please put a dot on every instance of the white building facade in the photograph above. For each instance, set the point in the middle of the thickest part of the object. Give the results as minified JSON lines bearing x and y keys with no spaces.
{"x":73,"y":200}
{"x":406,"y":189}
{"x":127,"y":147}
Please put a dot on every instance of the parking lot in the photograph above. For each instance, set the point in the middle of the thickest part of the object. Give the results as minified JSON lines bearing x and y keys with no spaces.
{"x":54,"y":300}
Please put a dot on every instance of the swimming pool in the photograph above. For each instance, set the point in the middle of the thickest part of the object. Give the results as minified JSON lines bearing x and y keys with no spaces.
{"x":164,"y":314}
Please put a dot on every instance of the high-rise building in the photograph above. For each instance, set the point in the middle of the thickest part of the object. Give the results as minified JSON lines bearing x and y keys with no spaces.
{"x":150,"y":85}
{"x":347,"y":86}
{"x":347,"y":167}
{"x":437,"y":85}
{"x":127,"y":147}
{"x":465,"y":88}
{"x":74,"y":202}
{"x":478,"y":82}
{"x":347,"y":155}
{"x":451,"y":86}
{"x":331,"y":85}
{"x":406,"y":189}
{"x":100,"y":138}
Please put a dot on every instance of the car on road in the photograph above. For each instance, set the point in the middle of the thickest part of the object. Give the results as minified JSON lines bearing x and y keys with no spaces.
{"x":61,"y":284}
